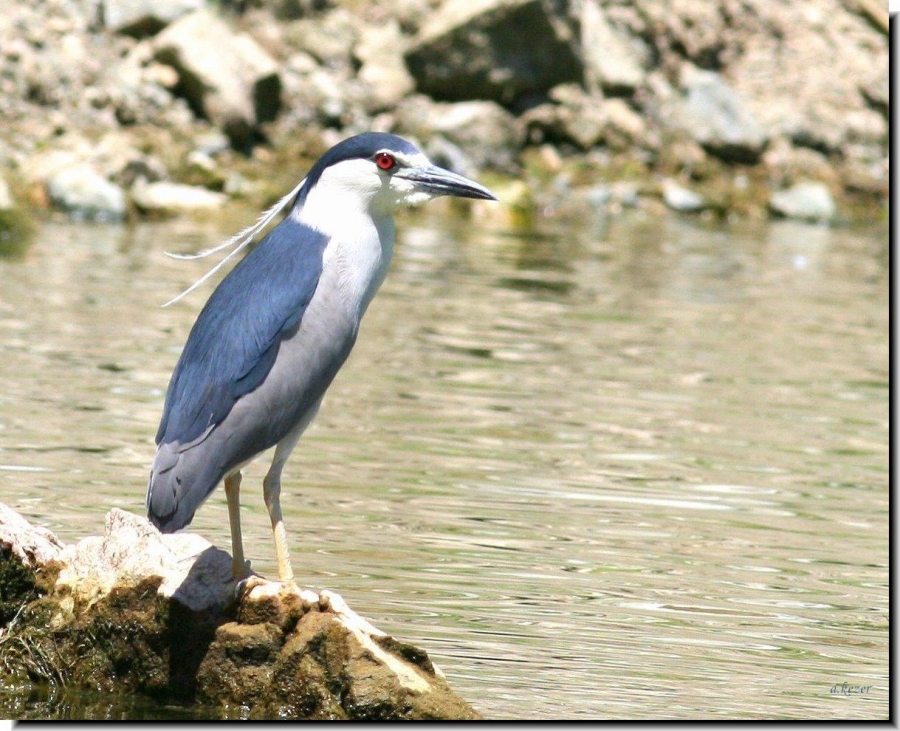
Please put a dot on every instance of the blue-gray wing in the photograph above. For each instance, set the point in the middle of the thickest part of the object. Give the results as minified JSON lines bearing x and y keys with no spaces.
{"x":234,"y":342}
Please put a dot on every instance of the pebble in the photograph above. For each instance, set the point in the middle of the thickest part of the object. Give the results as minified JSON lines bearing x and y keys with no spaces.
{"x":679,"y":198}
{"x":86,"y":195}
{"x":174,"y":197}
{"x":807,"y":201}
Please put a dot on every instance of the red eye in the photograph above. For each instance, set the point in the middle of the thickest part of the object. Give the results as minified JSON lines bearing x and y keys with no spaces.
{"x":385,"y":161}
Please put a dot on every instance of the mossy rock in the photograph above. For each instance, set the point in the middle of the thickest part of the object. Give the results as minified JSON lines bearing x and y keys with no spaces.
{"x":141,"y":614}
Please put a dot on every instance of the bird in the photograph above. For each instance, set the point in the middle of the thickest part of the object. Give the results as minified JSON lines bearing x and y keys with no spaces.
{"x":277,"y":329}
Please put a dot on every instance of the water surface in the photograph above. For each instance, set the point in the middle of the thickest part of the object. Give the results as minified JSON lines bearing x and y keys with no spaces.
{"x":612,"y":468}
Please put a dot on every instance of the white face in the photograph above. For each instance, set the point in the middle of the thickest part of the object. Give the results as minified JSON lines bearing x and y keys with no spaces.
{"x":373,"y":182}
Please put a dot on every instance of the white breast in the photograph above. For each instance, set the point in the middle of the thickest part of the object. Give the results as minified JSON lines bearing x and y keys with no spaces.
{"x":360,"y":260}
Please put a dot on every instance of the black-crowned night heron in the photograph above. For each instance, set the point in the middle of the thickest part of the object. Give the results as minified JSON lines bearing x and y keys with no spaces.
{"x":277,"y":329}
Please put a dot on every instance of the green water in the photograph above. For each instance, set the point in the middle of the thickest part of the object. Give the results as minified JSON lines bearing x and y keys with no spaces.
{"x":605,"y":468}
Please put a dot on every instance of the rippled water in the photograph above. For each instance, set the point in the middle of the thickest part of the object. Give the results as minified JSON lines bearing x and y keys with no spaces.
{"x":626,"y":468}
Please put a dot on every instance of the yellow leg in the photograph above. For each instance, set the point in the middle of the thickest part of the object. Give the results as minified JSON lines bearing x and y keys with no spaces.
{"x":232,"y":494}
{"x":272,"y":496}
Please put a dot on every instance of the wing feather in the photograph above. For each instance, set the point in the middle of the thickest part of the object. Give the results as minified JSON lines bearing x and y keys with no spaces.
{"x":235,"y":340}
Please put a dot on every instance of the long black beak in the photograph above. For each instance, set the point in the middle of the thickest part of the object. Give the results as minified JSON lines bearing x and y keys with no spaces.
{"x":437,"y":181}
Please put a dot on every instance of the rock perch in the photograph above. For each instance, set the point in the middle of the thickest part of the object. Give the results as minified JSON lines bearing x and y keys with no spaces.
{"x":135,"y":611}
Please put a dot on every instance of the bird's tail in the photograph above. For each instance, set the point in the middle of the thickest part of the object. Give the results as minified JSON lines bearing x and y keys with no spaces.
{"x":177,"y":488}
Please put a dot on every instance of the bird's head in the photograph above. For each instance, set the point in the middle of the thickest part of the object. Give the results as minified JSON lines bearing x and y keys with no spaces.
{"x":381,"y":172}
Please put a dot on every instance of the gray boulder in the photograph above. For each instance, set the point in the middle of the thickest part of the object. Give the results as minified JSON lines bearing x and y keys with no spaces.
{"x":808,"y":72}
{"x":225,"y":77}
{"x":380,"y":53}
{"x":487,"y":133}
{"x":329,"y":38}
{"x":569,"y":116}
{"x":808,"y":201}
{"x":501,"y":50}
{"x":613,"y":61}
{"x":573,"y":116}
{"x":580,"y":116}
{"x":321,"y":94}
{"x":141,"y":18}
{"x":713,"y":115}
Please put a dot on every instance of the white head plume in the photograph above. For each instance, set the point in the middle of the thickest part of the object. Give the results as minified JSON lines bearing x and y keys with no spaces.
{"x":239,"y":241}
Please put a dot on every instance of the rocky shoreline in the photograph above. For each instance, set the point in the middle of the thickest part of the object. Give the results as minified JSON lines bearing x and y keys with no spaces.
{"x":122,"y":109}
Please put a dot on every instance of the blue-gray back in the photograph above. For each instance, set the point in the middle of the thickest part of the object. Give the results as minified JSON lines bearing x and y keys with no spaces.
{"x":235,"y":340}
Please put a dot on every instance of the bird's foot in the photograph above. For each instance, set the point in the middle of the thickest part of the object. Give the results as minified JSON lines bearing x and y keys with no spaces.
{"x":243,"y":587}
{"x":255,"y":588}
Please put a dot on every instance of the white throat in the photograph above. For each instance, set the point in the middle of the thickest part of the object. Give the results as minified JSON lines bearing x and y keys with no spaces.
{"x":361,"y":237}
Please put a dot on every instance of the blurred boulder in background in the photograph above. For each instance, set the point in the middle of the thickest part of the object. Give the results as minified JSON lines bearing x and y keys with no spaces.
{"x":141,"y":18}
{"x":698,"y":92}
{"x":502,"y":50}
{"x":225,"y":77}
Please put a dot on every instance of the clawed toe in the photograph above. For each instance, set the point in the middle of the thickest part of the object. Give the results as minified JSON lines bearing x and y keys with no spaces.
{"x":244,"y":586}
